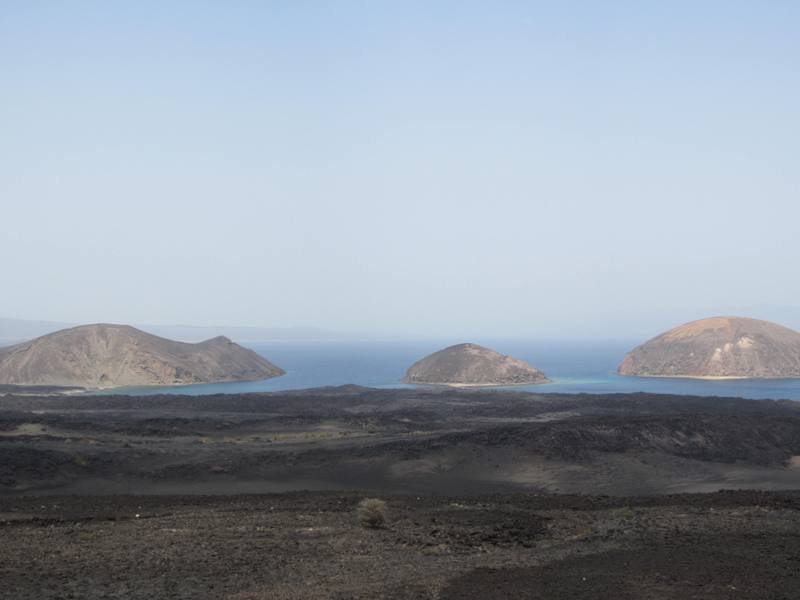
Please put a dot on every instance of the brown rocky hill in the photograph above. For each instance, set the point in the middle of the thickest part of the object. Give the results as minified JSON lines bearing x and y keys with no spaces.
{"x":471,"y":364}
{"x":106,"y":356}
{"x":719,"y":347}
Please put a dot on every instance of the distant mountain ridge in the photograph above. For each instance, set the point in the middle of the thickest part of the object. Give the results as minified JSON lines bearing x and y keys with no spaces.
{"x":17,"y":330}
{"x":104,"y":356}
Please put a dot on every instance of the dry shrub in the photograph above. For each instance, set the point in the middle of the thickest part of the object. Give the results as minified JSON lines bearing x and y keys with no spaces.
{"x":371,"y":512}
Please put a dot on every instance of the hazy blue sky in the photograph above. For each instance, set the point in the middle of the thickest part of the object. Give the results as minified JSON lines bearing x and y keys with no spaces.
{"x":435,"y":168}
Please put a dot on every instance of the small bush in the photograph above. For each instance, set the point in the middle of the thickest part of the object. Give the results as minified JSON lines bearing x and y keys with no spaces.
{"x":371,"y":512}
{"x":625,"y":513}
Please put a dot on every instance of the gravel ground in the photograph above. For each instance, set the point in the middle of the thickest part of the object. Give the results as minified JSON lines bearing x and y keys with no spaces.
{"x":742,"y":544}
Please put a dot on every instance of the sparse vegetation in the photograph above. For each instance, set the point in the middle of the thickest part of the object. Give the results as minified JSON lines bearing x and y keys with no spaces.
{"x":371,"y":513}
{"x":626,"y":513}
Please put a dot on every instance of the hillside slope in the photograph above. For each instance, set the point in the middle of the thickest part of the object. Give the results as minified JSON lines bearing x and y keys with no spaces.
{"x":106,"y":356}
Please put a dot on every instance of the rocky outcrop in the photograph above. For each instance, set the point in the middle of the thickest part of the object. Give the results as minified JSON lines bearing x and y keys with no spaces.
{"x":719,"y":347}
{"x":106,"y":356}
{"x":472,"y":365}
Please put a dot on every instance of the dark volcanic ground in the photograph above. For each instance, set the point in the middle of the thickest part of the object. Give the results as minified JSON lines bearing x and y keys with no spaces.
{"x":468,"y":476}
{"x":396,"y":441}
{"x":727,"y":545}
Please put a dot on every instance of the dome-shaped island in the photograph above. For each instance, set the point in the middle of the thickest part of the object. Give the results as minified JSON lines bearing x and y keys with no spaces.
{"x":472,"y":365}
{"x":719,"y":348}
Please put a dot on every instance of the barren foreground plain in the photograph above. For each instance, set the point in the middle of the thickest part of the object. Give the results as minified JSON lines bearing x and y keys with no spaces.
{"x":489,"y":495}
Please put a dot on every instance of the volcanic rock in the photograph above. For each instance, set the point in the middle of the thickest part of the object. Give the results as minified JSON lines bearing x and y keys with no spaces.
{"x":718,"y":348}
{"x":106,"y":356}
{"x":472,"y":365}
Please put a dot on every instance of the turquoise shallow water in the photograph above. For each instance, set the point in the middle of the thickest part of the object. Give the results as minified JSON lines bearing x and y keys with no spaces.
{"x":574,"y":367}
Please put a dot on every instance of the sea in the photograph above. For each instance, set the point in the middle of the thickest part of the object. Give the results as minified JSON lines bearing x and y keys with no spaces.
{"x":587,"y":367}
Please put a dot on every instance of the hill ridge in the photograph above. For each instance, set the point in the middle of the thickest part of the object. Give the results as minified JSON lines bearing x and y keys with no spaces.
{"x":106,"y":355}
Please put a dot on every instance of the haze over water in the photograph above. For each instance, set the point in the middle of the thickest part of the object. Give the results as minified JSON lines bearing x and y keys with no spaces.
{"x":575,"y":367}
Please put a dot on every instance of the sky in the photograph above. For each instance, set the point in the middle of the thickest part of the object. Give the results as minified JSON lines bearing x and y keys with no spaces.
{"x":503,"y":169}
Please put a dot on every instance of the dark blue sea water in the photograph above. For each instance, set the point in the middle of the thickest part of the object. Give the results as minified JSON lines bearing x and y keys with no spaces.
{"x":575,"y":367}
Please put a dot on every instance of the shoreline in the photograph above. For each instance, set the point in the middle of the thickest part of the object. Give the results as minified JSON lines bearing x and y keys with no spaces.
{"x":477,"y":385}
{"x":713,"y":377}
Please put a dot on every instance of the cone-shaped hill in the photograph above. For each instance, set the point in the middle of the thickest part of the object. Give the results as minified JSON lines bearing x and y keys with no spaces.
{"x":106,"y":356}
{"x":719,"y":347}
{"x":472,"y":365}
